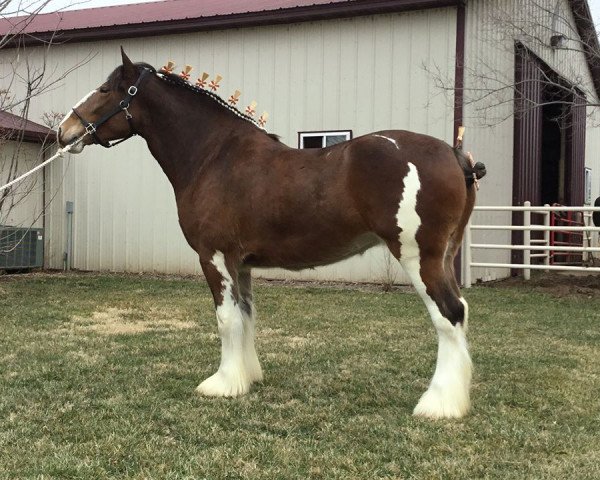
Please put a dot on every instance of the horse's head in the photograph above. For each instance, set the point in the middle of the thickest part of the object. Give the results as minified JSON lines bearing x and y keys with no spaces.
{"x":106,"y":113}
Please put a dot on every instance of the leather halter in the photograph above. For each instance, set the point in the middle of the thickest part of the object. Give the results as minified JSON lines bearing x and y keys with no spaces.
{"x":91,"y":128}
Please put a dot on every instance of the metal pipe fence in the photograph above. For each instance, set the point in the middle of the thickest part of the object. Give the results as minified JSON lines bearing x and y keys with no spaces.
{"x":534,"y":248}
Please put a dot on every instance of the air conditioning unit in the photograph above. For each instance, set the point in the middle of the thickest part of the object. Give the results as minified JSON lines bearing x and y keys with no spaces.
{"x":21,"y":248}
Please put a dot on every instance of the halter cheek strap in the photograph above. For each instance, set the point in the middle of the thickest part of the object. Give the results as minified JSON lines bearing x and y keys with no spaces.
{"x":92,"y":127}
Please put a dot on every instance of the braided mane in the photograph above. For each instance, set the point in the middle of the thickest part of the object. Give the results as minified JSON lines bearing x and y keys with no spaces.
{"x":116,"y":76}
{"x":177,"y":80}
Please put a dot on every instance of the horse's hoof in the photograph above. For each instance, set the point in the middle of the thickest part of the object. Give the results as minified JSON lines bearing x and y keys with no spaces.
{"x":221,"y":385}
{"x":436,"y":404}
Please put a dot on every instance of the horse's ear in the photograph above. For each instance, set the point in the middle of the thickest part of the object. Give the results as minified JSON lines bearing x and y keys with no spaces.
{"x":128,"y":66}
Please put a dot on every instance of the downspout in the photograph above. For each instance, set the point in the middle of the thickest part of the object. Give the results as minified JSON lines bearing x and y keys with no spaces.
{"x":44,"y":212}
{"x":459,"y":82}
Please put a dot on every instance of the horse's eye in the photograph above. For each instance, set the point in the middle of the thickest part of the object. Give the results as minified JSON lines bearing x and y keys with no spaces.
{"x":104,"y":90}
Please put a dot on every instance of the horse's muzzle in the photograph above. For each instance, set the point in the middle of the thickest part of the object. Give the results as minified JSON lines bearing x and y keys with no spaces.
{"x":67,"y":135}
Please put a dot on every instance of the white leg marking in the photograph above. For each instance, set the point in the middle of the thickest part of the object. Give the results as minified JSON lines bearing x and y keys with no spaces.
{"x":251,"y":362}
{"x":232,"y":378}
{"x":466,"y":320}
{"x":394,"y":142}
{"x":448,"y":392}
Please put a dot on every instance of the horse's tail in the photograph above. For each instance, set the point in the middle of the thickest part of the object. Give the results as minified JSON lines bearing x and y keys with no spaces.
{"x":473,"y":170}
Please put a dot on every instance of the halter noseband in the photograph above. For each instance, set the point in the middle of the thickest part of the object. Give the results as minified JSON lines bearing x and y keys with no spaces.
{"x":90,"y":128}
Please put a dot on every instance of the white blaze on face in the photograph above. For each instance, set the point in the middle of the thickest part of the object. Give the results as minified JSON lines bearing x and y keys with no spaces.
{"x":76,"y":129}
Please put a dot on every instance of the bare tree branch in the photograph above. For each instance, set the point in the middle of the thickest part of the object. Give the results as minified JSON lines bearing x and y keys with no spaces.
{"x":490,"y":90}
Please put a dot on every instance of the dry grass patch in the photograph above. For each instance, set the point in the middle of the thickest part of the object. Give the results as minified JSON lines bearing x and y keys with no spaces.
{"x":129,"y":321}
{"x":280,"y":337}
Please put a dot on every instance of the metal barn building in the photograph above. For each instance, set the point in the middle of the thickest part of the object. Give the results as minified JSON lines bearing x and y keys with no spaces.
{"x":325,"y":70}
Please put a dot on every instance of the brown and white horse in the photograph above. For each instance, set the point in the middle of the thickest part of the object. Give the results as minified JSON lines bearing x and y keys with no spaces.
{"x":246,"y":200}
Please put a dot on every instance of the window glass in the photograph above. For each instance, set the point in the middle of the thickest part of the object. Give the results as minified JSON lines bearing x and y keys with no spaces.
{"x":334,"y":139}
{"x":312,"y":142}
{"x":323,"y":139}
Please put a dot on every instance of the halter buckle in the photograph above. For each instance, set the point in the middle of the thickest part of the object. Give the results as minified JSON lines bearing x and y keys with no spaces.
{"x":124,"y":106}
{"x":90,"y":129}
{"x":132,"y":90}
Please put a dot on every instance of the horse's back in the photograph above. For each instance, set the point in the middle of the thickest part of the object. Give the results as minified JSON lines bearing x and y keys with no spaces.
{"x":378,"y":168}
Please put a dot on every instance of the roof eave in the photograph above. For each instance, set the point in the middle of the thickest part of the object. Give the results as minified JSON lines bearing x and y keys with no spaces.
{"x":222,"y":22}
{"x":28,"y":136}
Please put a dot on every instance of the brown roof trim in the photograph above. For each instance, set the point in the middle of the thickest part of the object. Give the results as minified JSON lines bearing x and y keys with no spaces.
{"x":28,"y":136}
{"x":15,"y":128}
{"x":222,"y":22}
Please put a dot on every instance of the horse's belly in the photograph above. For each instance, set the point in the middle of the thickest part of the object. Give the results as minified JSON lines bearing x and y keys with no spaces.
{"x":313,"y":254}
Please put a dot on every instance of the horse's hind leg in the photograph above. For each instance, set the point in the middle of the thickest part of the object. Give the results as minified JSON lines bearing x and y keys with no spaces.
{"x":448,"y":392}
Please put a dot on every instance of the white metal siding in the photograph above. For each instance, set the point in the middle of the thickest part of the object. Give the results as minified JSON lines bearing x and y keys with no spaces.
{"x":361,"y":73}
{"x":24,"y":204}
{"x":492,"y":29}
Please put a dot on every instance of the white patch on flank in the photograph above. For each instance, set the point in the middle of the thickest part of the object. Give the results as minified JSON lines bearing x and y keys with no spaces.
{"x":389,"y":140}
{"x":448,"y":392}
{"x":407,"y":217}
{"x":231,"y":379}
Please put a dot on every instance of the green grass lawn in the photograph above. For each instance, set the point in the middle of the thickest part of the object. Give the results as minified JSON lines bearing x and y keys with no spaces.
{"x":98,"y":375}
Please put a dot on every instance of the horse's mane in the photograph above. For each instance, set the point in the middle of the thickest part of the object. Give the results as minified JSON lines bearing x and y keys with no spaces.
{"x":116,"y":76}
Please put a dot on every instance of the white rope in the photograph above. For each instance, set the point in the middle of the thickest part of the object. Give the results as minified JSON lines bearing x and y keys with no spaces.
{"x":58,"y":154}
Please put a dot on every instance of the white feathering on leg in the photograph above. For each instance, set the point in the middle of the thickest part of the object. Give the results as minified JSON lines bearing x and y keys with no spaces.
{"x":448,"y":392}
{"x":231,"y":379}
{"x":253,"y":367}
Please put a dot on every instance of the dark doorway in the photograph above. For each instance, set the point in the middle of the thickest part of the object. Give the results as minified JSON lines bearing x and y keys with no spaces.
{"x":549,"y":140}
{"x":550,"y":122}
{"x":552,"y":162}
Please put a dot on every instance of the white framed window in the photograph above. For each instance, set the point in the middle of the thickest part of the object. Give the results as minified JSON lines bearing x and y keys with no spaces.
{"x":323,"y":139}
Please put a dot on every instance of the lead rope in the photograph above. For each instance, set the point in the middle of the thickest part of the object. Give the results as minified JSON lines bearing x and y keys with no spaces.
{"x":58,"y":154}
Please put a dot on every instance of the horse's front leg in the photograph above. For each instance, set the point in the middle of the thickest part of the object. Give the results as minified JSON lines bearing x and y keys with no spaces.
{"x":233,"y":377}
{"x":253,"y":367}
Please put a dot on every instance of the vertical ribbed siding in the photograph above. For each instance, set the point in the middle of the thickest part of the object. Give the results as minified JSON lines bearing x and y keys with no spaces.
{"x":528,"y":129}
{"x":23,"y":206}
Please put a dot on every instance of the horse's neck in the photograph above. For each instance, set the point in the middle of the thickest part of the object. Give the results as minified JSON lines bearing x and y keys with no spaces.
{"x":179,"y":134}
